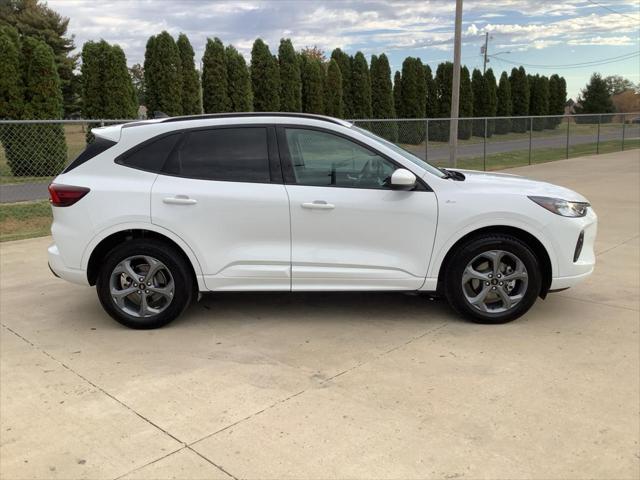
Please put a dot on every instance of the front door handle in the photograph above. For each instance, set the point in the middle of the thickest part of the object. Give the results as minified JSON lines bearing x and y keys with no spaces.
{"x":179,"y":200}
{"x":318,"y":205}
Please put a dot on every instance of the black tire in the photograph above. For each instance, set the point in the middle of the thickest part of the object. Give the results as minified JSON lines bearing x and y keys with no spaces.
{"x":466,"y":252}
{"x":184,"y":283}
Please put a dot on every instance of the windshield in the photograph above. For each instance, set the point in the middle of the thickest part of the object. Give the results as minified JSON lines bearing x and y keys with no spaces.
{"x":405,"y":153}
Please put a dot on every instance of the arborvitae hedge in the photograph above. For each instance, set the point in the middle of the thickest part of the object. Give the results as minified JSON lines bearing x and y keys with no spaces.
{"x":439,"y":131}
{"x":503,"y":104}
{"x":344,"y":63}
{"x":466,"y":104}
{"x":519,"y":99}
{"x":11,"y":87}
{"x":481,"y":105}
{"x":361,"y":87}
{"x":431,"y":106}
{"x":265,"y":78}
{"x":397,"y":93}
{"x":539,"y":100}
{"x":191,"y":104}
{"x":413,"y":100}
{"x":215,"y":90}
{"x":493,"y":100}
{"x":312,"y":85}
{"x":557,"y":99}
{"x":238,"y":81}
{"x":163,"y":81}
{"x":40,"y":150}
{"x":333,"y":105}
{"x":382,"y":98}
{"x":290,"y":81}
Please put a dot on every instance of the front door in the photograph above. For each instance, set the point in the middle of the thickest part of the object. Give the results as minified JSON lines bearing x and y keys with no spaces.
{"x":349,"y":230}
{"x":220,"y":193}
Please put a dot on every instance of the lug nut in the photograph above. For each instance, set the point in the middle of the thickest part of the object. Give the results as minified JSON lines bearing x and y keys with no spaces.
{"x":149,"y":283}
{"x":501,"y":283}
{"x":493,"y":288}
{"x":487,"y":283}
{"x":499,"y":276}
{"x":135,"y":285}
{"x":146,"y":291}
{"x":142,"y":279}
{"x":139,"y":292}
{"x":490,"y":276}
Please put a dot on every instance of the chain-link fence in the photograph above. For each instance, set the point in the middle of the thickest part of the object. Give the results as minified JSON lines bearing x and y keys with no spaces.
{"x":35,"y":151}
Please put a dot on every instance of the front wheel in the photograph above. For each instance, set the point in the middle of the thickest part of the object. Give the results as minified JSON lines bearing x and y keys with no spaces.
{"x":493,"y":279}
{"x":144,"y":284}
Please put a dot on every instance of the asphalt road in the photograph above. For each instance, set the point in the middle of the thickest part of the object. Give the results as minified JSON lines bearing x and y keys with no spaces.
{"x":437,"y":152}
{"x":327,"y":385}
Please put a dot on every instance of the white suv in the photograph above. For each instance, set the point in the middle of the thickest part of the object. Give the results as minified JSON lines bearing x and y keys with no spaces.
{"x":154,"y":212}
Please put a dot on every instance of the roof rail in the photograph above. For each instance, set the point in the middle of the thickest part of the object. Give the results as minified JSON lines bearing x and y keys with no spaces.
{"x":256,"y":114}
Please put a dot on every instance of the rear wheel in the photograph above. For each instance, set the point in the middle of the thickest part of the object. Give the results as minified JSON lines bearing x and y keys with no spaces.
{"x":493,"y":279}
{"x":144,"y":284}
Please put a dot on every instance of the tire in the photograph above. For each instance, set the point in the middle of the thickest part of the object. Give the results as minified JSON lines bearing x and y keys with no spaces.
{"x":479,"y":293}
{"x":167,"y":292}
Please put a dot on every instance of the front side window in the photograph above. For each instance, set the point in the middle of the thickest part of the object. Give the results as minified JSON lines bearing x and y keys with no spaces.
{"x":225,"y":154}
{"x":323,"y":159}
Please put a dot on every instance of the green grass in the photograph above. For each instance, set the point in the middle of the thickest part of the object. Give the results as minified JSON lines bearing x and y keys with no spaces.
{"x":24,"y":220}
{"x":518,"y":158}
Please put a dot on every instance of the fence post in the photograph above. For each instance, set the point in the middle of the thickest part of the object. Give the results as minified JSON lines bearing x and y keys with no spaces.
{"x":530,"y":137}
{"x":426,"y":141}
{"x":624,"y":124}
{"x":568,"y":125}
{"x":484,"y":147}
{"x":598,"y":138}
{"x":102,"y":122}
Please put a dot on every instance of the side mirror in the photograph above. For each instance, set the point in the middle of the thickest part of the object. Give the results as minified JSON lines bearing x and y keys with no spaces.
{"x":402,"y":179}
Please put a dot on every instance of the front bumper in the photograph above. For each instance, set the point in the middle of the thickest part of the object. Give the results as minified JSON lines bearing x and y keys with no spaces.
{"x":60,"y":270}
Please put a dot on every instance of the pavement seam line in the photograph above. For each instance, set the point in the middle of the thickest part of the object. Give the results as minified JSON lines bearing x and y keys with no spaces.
{"x":326,"y":380}
{"x":100,"y":389}
{"x":616,"y":246}
{"x":150,"y":463}
{"x":578,"y":299}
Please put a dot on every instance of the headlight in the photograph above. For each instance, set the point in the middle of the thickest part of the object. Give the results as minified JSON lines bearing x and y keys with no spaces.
{"x":562,"y":207}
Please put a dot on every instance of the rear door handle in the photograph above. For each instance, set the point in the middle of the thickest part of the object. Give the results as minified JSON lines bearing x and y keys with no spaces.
{"x":318,"y":205}
{"x":180,"y":200}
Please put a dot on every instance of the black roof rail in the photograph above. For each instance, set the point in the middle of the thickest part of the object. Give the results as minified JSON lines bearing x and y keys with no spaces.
{"x":254,"y":114}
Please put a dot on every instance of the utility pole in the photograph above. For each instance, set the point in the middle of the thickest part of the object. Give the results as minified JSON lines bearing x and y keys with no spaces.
{"x":485,"y":50}
{"x":455,"y":88}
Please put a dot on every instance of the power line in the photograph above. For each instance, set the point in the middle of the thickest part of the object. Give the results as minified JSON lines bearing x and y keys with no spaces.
{"x":611,"y":10}
{"x":592,"y":63}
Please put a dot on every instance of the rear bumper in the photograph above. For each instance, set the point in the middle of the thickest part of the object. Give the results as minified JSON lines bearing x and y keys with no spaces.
{"x":60,"y":270}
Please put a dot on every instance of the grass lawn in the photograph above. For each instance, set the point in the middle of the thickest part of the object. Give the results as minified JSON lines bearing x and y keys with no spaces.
{"x":24,"y":220}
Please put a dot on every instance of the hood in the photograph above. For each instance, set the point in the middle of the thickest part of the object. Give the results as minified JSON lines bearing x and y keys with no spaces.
{"x":509,"y":183}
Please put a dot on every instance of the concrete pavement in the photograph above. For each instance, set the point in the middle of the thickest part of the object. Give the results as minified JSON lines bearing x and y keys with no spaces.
{"x":364,"y":385}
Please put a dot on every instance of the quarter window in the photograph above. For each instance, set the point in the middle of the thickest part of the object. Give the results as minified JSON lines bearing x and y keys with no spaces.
{"x":226,"y":154}
{"x":323,"y":159}
{"x":152,"y":156}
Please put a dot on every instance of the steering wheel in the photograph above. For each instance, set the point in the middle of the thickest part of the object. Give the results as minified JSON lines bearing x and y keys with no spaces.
{"x":373,"y":171}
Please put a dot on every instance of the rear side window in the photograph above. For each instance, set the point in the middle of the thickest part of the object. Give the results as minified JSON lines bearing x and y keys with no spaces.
{"x":225,"y":154}
{"x":93,"y":149}
{"x":151,"y":156}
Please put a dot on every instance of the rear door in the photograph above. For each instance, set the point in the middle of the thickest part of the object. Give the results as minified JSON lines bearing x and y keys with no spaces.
{"x":221,"y":191}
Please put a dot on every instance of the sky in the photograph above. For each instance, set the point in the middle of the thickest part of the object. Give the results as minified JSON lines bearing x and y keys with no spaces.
{"x":573,"y":38}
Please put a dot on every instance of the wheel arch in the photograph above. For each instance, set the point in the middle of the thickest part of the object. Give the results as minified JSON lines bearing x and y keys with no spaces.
{"x":103,"y":243}
{"x":539,"y":249}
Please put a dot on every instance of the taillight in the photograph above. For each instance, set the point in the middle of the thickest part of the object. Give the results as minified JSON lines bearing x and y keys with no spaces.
{"x":65,"y":195}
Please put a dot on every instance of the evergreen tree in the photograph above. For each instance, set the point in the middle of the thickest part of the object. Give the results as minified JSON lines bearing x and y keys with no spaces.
{"x":594,"y":99}
{"x":11,"y":88}
{"x":503,"y":109}
{"x":238,"y":81}
{"x":397,"y":93}
{"x":265,"y":78}
{"x":466,"y":104}
{"x":382,"y":98}
{"x":413,"y":100}
{"x":519,"y":99}
{"x":35,"y":19}
{"x":439,"y":130}
{"x":191,"y":104}
{"x":344,"y":63}
{"x":539,"y":101}
{"x":557,"y":99}
{"x":290,"y":80}
{"x":215,"y":87}
{"x":312,"y":85}
{"x":361,"y":87}
{"x":42,"y":101}
{"x":493,"y":100}
{"x":431,"y":107}
{"x":163,"y":76}
{"x":333,"y":105}
{"x":481,"y":105}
